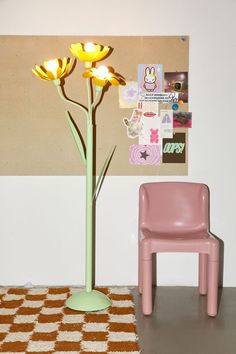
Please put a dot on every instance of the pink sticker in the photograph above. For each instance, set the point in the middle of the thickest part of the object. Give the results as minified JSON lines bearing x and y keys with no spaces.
{"x":144,"y":155}
{"x":154,"y":138}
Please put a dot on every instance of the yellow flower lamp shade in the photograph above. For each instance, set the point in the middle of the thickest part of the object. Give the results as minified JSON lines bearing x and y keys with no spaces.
{"x":89,"y":52}
{"x":54,"y":69}
{"x":101,"y":76}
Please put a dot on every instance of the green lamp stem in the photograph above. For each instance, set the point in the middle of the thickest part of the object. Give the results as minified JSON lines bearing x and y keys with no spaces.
{"x":89,"y":194}
{"x":89,"y":207}
{"x":64,"y":98}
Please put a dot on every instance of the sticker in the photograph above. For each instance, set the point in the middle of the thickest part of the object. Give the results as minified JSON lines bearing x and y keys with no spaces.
{"x":166,"y":119}
{"x":128,"y":95}
{"x":175,"y":106}
{"x":144,"y":155}
{"x":149,"y":79}
{"x":174,"y":149}
{"x":163,"y":97}
{"x":177,"y":82}
{"x":182,"y":120}
{"x":134,"y":124}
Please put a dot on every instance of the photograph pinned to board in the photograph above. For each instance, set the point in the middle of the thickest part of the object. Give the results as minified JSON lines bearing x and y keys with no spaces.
{"x":174,"y":150}
{"x":128,"y":95}
{"x":133,"y":124}
{"x":149,"y":80}
{"x":144,"y":154}
{"x":177,"y":82}
{"x":182,"y":120}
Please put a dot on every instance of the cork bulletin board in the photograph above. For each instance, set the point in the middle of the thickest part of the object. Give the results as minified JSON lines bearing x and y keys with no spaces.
{"x":34,"y":135}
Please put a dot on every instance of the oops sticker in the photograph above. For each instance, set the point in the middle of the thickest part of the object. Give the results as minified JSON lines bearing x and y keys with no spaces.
{"x":174,"y":150}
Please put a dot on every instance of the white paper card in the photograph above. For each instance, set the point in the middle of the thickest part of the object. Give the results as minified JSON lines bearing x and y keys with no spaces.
{"x":166,"y":119}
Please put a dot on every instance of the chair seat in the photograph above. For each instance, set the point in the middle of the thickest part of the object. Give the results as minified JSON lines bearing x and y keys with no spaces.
{"x":154,"y":242}
{"x":177,"y":236}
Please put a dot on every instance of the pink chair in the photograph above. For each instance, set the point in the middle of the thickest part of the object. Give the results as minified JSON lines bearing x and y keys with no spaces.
{"x":174,"y":217}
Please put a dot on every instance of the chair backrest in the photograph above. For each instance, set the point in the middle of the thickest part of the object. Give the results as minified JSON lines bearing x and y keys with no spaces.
{"x":174,"y":207}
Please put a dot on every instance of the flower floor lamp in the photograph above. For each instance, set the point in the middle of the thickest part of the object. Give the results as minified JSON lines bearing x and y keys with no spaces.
{"x":97,"y":78}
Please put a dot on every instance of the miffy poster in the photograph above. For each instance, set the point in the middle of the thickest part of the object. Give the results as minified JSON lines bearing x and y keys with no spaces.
{"x":149,"y":79}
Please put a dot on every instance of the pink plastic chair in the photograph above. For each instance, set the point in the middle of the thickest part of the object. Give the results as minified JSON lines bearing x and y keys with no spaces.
{"x":174,"y":217}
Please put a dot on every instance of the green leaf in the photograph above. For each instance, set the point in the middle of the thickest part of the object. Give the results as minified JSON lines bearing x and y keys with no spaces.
{"x":77,"y":136}
{"x":103,"y":172}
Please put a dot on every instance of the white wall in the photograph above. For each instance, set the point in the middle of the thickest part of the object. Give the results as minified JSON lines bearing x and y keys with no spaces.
{"x":42,"y":218}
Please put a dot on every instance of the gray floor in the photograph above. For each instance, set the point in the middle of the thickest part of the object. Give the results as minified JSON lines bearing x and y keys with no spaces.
{"x":179,"y":323}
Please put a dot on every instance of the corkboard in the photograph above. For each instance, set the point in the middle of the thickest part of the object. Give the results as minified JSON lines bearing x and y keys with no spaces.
{"x":34,"y":135}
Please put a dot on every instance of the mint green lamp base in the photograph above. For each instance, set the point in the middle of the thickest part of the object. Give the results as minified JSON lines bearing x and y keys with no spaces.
{"x":88,"y":301}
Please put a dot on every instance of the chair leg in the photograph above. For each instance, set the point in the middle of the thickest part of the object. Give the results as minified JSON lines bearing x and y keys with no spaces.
{"x":147,"y":286}
{"x":212,"y":297}
{"x":140,"y":278}
{"x":202,"y":273}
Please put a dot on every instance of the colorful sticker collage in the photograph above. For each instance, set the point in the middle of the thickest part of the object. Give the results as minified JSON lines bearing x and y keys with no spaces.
{"x":151,"y":126}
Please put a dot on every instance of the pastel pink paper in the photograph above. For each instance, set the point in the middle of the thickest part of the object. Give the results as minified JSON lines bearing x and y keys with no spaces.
{"x":153,"y":152}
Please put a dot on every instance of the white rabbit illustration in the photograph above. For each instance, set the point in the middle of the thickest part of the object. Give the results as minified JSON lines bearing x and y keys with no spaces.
{"x":150,"y":79}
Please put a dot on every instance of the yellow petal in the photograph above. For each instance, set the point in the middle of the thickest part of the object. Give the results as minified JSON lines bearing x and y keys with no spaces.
{"x":75,"y":48}
{"x":64,"y":64}
{"x":39,"y":75}
{"x":40,"y":70}
{"x":99,"y":82}
{"x":106,"y":49}
{"x":35,"y":72}
{"x":59,"y":73}
{"x":97,"y":48}
{"x":114,"y":81}
{"x":87,"y":74}
{"x":68,"y":64}
{"x":102,"y":53}
{"x":51,"y":76}
{"x":67,"y":68}
{"x":83,"y":56}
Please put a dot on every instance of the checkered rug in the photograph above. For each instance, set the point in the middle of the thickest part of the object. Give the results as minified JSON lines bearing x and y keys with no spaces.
{"x":36,"y":321}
